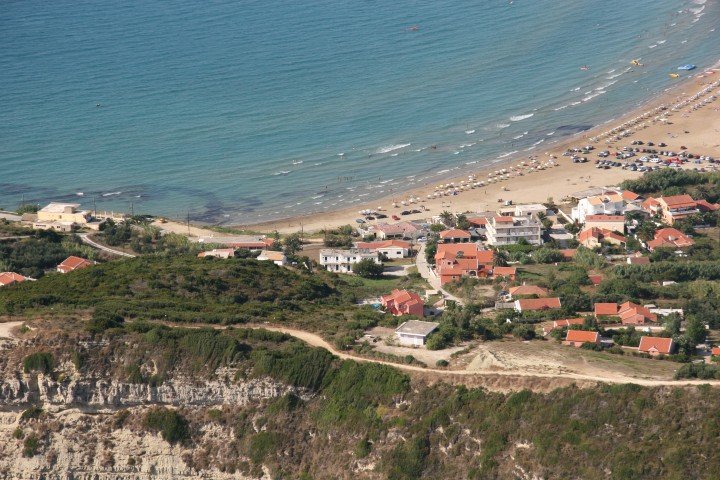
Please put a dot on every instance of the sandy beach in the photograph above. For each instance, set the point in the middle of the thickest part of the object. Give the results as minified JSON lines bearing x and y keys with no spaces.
{"x":685,"y":115}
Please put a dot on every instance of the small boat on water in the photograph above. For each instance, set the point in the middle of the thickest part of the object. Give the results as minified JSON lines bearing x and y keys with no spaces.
{"x":674,"y":75}
{"x":637,"y":63}
{"x":584,"y":68}
{"x":687,"y":67}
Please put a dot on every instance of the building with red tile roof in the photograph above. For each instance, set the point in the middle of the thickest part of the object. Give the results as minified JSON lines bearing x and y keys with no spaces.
{"x":527,"y":290}
{"x":454,"y":235}
{"x":478,"y":221}
{"x":403,"y":302}
{"x":8,"y":278}
{"x":592,"y":237}
{"x":456,"y":260}
{"x":535,"y":304}
{"x":656,"y":345}
{"x":568,"y":253}
{"x":670,"y":238}
{"x":633,"y":314}
{"x":606,"y":309}
{"x":576,"y":338}
{"x":548,"y":327}
{"x":509,"y":272}
{"x":635,"y":260}
{"x":677,"y":207}
{"x":73,"y":263}
{"x":705,"y":206}
{"x":629,"y":196}
{"x":596,"y":279}
{"x":715,"y":351}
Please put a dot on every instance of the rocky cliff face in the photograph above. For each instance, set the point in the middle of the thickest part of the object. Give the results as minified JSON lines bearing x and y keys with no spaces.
{"x":78,"y":437}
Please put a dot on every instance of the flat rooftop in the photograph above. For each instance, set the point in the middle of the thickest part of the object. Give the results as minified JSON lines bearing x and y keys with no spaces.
{"x":417,"y":327}
{"x":59,"y":207}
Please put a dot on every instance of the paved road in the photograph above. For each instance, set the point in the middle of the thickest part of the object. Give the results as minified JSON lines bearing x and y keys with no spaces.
{"x":317,"y":341}
{"x":426,"y":272}
{"x":84,"y":237}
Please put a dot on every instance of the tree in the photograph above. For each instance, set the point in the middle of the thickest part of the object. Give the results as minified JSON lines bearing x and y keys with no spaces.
{"x":292,"y":244}
{"x":574,"y":227}
{"x":695,"y":330}
{"x":447,"y":218}
{"x":500,"y":259}
{"x":462,"y":222}
{"x":672,"y":324}
{"x":430,"y":251}
{"x":367,"y":268}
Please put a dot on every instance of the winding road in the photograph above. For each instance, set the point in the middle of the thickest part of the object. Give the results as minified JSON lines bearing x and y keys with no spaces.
{"x":85,"y":239}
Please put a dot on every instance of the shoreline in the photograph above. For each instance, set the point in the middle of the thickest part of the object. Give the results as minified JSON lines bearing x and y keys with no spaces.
{"x":518,"y":188}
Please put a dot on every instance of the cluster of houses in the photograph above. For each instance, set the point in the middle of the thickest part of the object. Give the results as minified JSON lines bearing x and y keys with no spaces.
{"x":68,"y":265}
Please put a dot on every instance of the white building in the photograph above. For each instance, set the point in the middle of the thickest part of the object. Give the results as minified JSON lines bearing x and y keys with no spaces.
{"x":388,"y":248}
{"x":605,"y":204}
{"x":530,"y":209}
{"x":509,"y":230}
{"x":341,"y":261}
{"x":415,"y":332}
{"x":278,"y":258}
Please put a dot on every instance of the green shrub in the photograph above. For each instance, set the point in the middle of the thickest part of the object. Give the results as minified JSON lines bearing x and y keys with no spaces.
{"x":442,"y":363}
{"x":172,"y":426}
{"x":38,"y":362}
{"x":261,"y":445}
{"x":18,"y":433}
{"x":30,"y":446}
{"x":31,"y":413}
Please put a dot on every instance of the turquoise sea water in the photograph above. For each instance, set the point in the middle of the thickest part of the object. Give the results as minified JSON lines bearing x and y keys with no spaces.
{"x":241,"y":111}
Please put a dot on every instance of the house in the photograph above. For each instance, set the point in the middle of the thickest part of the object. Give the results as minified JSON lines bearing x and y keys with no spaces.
{"x":388,"y":248}
{"x":606,"y":309}
{"x":535,"y":304}
{"x":594,"y":237}
{"x":61,"y":214}
{"x":612,"y":223}
{"x":669,"y":238}
{"x":565,"y":323}
{"x":576,"y":338}
{"x":341,"y":261}
{"x":526,"y":290}
{"x":636,"y":260}
{"x":456,"y":260}
{"x":656,"y":345}
{"x":671,"y":208}
{"x":8,"y":278}
{"x":218,"y":253}
{"x":403,"y":302}
{"x":73,"y":263}
{"x":415,"y":332}
{"x":604,"y":204}
{"x":454,"y":235}
{"x":715,"y":351}
{"x":633,"y":314}
{"x":278,"y":258}
{"x":529,"y":210}
{"x":595,"y":279}
{"x":478,"y":222}
{"x":630,"y":197}
{"x":400,"y":230}
{"x":508,"y":272}
{"x":509,"y":230}
{"x":568,"y":253}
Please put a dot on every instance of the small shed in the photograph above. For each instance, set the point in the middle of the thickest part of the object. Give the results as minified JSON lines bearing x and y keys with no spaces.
{"x":414,"y":332}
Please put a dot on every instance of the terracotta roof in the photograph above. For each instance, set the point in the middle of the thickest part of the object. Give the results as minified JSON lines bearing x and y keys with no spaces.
{"x":629,"y":196}
{"x":469,"y":250}
{"x":606,"y":309}
{"x":383,"y":244}
{"x":478,"y":221}
{"x":639,"y":260}
{"x":599,"y":234}
{"x":527,"y":290}
{"x":677,"y":201}
{"x":650,"y":202}
{"x":538,"y":303}
{"x":604,"y":218}
{"x":568,"y":252}
{"x":582,"y":336}
{"x":396,"y":228}
{"x":6,"y":278}
{"x":715,"y":351}
{"x":595,"y":279}
{"x":630,"y":309}
{"x":567,"y":322}
{"x":661,"y":344}
{"x":670,"y":237}
{"x":454,"y":233}
{"x":707,"y":206}
{"x":504,"y":271}
{"x":503,"y":219}
{"x":73,"y":263}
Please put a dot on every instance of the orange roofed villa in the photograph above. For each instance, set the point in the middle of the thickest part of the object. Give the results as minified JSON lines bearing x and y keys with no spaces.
{"x":670,"y":238}
{"x":403,"y":302}
{"x":576,"y":338}
{"x":677,"y":207}
{"x":456,"y":260}
{"x":656,"y":346}
{"x":73,"y":263}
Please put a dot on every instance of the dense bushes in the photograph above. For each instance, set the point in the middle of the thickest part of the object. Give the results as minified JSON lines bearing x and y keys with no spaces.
{"x":670,"y":181}
{"x":38,"y":362}
{"x":698,"y":370}
{"x":45,"y":250}
{"x":172,"y":426}
{"x":675,"y":271}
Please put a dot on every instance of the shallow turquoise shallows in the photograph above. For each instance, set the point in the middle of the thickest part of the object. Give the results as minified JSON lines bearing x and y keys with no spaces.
{"x":236,"y":111}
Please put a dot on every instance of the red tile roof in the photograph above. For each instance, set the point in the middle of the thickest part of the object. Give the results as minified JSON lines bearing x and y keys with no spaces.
{"x":606,"y":309}
{"x":599,"y":234}
{"x":73,"y":263}
{"x":631,"y":310}
{"x":569,"y":252}
{"x":454,"y":233}
{"x":639,"y":260}
{"x":538,"y":303}
{"x":595,"y":279}
{"x":678,"y":201}
{"x":7,"y":278}
{"x":629,"y":196}
{"x":707,"y":206}
{"x":659,"y":344}
{"x":503,"y":219}
{"x":478,"y":221}
{"x":671,"y":238}
{"x":504,"y":271}
{"x":582,"y":336}
{"x":567,"y":322}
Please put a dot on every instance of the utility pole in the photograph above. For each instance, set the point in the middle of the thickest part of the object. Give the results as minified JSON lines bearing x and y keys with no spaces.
{"x":94,"y":207}
{"x":188,"y":221}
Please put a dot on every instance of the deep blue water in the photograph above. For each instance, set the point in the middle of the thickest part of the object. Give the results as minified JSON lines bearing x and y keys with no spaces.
{"x":209,"y":107}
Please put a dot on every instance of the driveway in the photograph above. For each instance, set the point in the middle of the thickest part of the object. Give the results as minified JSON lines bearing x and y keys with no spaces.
{"x":426,"y":271}
{"x":84,"y":237}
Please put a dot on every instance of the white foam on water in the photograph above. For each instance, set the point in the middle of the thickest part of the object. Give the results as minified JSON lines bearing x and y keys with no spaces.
{"x":507,"y":154}
{"x":517,"y":118}
{"x":110,"y":194}
{"x":469,"y":132}
{"x":502,"y":125}
{"x":551,"y":134}
{"x":392,"y":148}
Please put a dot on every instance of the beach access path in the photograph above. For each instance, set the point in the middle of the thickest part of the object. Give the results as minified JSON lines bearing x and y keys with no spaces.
{"x":426,"y":271}
{"x":85,"y":239}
